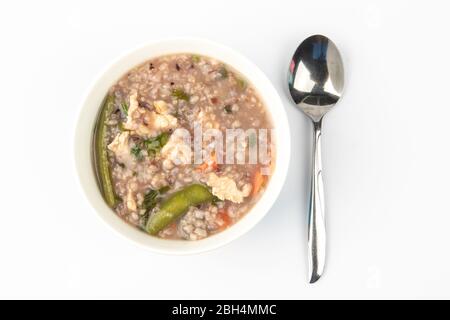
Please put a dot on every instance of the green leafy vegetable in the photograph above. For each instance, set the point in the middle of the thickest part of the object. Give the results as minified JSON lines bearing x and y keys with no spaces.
{"x":163,"y":138}
{"x":223,"y":72}
{"x":136,"y":151}
{"x":228,"y":109}
{"x":150,"y":201}
{"x":241,"y":83}
{"x":154,"y":145}
{"x":215,"y":200}
{"x":180,"y":94}
{"x":122,"y":127}
{"x":125,"y":107}
{"x":164,"y":190}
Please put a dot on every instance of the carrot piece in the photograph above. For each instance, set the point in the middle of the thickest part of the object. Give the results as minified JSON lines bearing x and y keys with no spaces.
{"x":223,"y":215}
{"x":173,"y":225}
{"x":205,"y":165}
{"x":202,"y":167}
{"x":258,"y":181}
{"x":214,"y":164}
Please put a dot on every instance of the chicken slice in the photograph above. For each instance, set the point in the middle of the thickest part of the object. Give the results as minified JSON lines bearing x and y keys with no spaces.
{"x":131,"y":202}
{"x":148,"y":123}
{"x":121,"y":148}
{"x":225,"y":188}
{"x":161,"y":107}
{"x":177,"y":150}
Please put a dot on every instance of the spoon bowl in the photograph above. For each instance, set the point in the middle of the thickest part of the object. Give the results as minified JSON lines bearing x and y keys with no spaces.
{"x":316,"y":76}
{"x":316,"y":83}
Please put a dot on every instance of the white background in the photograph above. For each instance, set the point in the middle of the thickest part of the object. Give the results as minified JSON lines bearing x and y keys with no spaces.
{"x":386,"y":152}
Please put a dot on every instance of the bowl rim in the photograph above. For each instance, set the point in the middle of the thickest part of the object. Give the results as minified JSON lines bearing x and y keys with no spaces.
{"x":87,"y":115}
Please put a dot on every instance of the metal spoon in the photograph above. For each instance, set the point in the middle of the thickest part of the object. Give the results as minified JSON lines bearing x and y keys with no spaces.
{"x":316,"y":81}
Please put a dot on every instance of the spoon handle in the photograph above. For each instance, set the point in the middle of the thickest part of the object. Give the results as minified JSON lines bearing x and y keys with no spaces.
{"x":316,"y":218}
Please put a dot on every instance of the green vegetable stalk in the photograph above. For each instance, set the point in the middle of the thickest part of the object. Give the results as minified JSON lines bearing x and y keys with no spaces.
{"x":180,"y":94}
{"x":176,"y":205}
{"x":101,"y":153}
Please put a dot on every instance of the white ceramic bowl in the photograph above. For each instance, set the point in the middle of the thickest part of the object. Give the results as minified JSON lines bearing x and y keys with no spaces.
{"x":89,"y":111}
